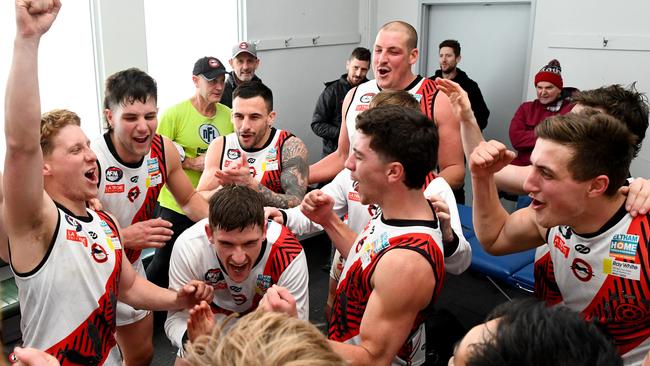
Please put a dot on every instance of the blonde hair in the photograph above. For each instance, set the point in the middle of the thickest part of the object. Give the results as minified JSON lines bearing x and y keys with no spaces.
{"x":394,"y":97}
{"x":54,"y":121}
{"x":263,"y":338}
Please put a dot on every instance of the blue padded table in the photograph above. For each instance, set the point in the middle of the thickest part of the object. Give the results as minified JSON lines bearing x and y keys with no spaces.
{"x":524,"y":278}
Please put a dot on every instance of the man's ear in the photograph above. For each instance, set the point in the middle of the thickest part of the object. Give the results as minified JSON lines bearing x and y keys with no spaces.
{"x":598,"y":186}
{"x":47,"y":169}
{"x":108,"y":113}
{"x":208,"y":232}
{"x":395,"y":172}
{"x":272,"y":116}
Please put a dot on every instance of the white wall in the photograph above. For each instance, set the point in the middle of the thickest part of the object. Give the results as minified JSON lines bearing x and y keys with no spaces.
{"x":296,"y":75}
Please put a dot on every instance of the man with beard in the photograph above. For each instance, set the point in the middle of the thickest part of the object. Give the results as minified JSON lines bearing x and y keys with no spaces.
{"x":244,"y":63}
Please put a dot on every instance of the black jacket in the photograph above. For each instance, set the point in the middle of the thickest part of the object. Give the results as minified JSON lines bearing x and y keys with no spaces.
{"x":326,"y":122}
{"x":229,"y":87}
{"x":481,"y":111}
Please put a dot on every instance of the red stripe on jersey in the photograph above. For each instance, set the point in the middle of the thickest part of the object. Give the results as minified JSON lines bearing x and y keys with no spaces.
{"x":427,"y":90}
{"x":621,"y":304}
{"x":146,"y":210}
{"x":428,"y":179}
{"x":272,"y":178}
{"x":285,"y":249}
{"x":546,"y":287}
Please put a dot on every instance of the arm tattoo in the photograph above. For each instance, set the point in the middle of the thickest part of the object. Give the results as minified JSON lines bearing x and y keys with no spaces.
{"x":294,"y":176}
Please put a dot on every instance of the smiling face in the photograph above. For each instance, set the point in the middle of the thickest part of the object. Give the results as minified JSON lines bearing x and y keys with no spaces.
{"x":244,"y":66}
{"x":237,"y":249}
{"x":357,"y":71}
{"x":367,"y":169}
{"x":133,"y":128}
{"x":71,"y":166}
{"x":252,"y":121}
{"x":392,"y":59}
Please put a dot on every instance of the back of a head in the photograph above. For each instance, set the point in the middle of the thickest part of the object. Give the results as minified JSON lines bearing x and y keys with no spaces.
{"x":361,"y":54}
{"x":128,"y":86}
{"x":401,"y":26}
{"x":52,"y":122}
{"x":236,"y":207}
{"x":403,"y":135}
{"x":626,"y":104}
{"x":451,"y":43}
{"x":264,"y":338}
{"x":394,"y":97}
{"x":601,"y":144}
{"x":530,"y":333}
{"x":252,"y":89}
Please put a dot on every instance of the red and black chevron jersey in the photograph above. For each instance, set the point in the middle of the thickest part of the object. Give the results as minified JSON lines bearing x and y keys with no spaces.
{"x":68,"y":301}
{"x":605,"y":276}
{"x":130,"y":191}
{"x":281,"y":261}
{"x":265,"y":164}
{"x":354,"y":287}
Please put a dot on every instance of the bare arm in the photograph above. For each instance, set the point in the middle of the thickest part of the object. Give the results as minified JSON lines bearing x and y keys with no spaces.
{"x":293,"y":178}
{"x":30,"y":215}
{"x":192,"y":203}
{"x":450,"y":151}
{"x":333,"y":163}
{"x":317,"y":206}
{"x":208,"y":182}
{"x":499,"y":232}
{"x":4,"y":249}
{"x":388,"y":319}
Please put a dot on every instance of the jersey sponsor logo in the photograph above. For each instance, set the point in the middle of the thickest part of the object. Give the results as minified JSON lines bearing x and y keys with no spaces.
{"x":561,"y":246}
{"x":114,"y":188}
{"x":233,"y":154}
{"x":251,"y":160}
{"x":152,"y":166}
{"x":93,"y":235}
{"x":134,"y":193}
{"x":73,"y":222}
{"x":72,"y":235}
{"x":622,"y":269}
{"x":582,"y":249}
{"x":134,"y":179}
{"x":582,"y":270}
{"x":99,"y":253}
{"x":239,"y":298}
{"x":235,"y":288}
{"x":366,"y":98}
{"x":113,"y":174}
{"x":624,"y":246}
{"x":262,"y":283}
{"x":215,"y":278}
{"x":354,"y":196}
{"x":361,"y":107}
{"x":107,"y":229}
{"x":208,"y":133}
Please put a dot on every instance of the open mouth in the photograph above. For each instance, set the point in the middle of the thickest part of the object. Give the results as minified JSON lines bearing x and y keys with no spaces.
{"x":238,"y":269}
{"x":383,"y":71}
{"x":141,"y":140}
{"x":91,"y":175}
{"x":537,"y":204}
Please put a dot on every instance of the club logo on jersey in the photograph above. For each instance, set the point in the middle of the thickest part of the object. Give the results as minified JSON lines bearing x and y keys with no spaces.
{"x":559,"y":244}
{"x":366,"y":98}
{"x":239,"y":298}
{"x":113,"y":174}
{"x":262,"y":283}
{"x":215,"y":278}
{"x":234,"y":288}
{"x":93,"y":235}
{"x":134,"y":179}
{"x":73,"y":222}
{"x":623,"y":246}
{"x":251,"y":160}
{"x":72,"y":235}
{"x":233,"y":154}
{"x":99,"y":253}
{"x":582,"y":249}
{"x":582,"y":270}
{"x":114,"y":188}
{"x":134,"y":193}
{"x":373,"y":210}
{"x":208,"y":133}
{"x":252,"y":170}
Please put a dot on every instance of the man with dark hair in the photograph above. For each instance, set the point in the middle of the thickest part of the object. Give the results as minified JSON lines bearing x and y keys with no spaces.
{"x":395,"y":52}
{"x":394,"y":269}
{"x":326,"y":121}
{"x":526,"y":332}
{"x":449,"y":57}
{"x":68,"y":260}
{"x":271,"y":161}
{"x":134,"y":163}
{"x":239,"y":254}
{"x":244,"y":63}
{"x":596,"y":258}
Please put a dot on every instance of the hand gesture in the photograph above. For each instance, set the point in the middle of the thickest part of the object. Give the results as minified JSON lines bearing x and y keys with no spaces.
{"x":238,"y":172}
{"x":152,"y":233}
{"x":488,"y":158}
{"x":317,"y":206}
{"x":95,"y":204}
{"x":32,"y":357}
{"x":442,"y":211}
{"x":638,"y":196}
{"x":458,"y":98}
{"x":201,"y":321}
{"x":193,"y":293}
{"x":34,"y":17}
{"x":280,"y":300}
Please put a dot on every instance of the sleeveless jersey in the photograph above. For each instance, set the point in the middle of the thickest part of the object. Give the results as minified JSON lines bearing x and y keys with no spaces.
{"x":423,"y":89}
{"x":130,"y":191}
{"x":605,"y":276}
{"x":67,"y":302}
{"x":281,"y":261}
{"x":265,"y":164}
{"x":354,"y":287}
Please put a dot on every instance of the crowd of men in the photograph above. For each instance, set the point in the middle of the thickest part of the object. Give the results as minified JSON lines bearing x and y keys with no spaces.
{"x":222,"y":193}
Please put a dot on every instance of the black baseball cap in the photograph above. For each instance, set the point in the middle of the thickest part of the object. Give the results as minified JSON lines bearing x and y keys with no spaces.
{"x":209,"y":67}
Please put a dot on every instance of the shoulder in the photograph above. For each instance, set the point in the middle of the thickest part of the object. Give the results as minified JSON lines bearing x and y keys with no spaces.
{"x":282,"y":238}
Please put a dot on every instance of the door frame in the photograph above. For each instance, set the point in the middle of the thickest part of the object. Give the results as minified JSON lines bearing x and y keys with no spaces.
{"x":425,"y":6}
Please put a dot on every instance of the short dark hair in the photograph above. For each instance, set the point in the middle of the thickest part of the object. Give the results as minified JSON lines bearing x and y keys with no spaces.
{"x":127,"y":86}
{"x":531,"y":333}
{"x":626,"y":104}
{"x":451,"y":43}
{"x":236,"y":207}
{"x":411,"y":33}
{"x":252,"y":89}
{"x":361,"y":54}
{"x":601,"y":145}
{"x":403,"y":135}
{"x":395,"y":97}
